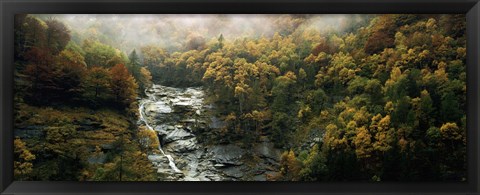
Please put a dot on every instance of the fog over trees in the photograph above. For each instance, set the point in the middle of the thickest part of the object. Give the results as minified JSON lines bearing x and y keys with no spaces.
{"x":341,"y":97}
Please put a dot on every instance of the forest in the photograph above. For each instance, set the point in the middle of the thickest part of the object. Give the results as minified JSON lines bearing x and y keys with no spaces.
{"x":343,"y":98}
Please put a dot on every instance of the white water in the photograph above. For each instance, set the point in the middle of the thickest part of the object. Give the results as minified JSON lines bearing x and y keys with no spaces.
{"x":171,"y":162}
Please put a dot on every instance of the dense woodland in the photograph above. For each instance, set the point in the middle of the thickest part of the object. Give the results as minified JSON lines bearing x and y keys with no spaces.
{"x":386,"y":96}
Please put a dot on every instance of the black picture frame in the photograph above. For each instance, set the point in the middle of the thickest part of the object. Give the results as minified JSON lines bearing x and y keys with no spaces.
{"x":8,"y":8}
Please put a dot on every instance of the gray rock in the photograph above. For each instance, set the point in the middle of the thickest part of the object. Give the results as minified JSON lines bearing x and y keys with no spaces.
{"x":157,"y":158}
{"x":170,"y":127}
{"x":261,"y":177}
{"x":181,"y":146}
{"x":157,"y":108}
{"x":177,"y":134}
{"x":235,"y":172}
{"x":227,"y":154}
{"x":267,"y":150}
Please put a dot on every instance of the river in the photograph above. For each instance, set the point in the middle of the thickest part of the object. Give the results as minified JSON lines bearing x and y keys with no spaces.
{"x":175,"y":114}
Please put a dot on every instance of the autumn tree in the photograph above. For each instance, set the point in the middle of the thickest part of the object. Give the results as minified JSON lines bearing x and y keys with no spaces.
{"x":23,"y":165}
{"x":57,"y":35}
{"x":123,"y":85}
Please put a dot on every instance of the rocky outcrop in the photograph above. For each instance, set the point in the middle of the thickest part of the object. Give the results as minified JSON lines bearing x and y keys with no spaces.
{"x":181,"y":146}
{"x":227,"y":154}
{"x":176,"y":114}
{"x":177,"y":134}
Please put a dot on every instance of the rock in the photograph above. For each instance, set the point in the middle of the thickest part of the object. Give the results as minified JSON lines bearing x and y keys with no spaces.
{"x":157,"y":108}
{"x":157,"y":158}
{"x":211,"y":176}
{"x":160,"y":131}
{"x":182,"y":106}
{"x":164,"y":171}
{"x":272,"y":162}
{"x":174,"y":113}
{"x":177,"y":134}
{"x":261,"y":177}
{"x":181,"y":146}
{"x":181,"y":164}
{"x":188,"y":178}
{"x":235,"y":172}
{"x":190,"y":120}
{"x":227,"y":154}
{"x":317,"y":139}
{"x":267,"y":150}
{"x":218,"y":165}
{"x":216,"y":123}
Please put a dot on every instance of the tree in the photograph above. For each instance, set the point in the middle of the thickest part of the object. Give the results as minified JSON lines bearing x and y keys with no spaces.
{"x":134,"y":64}
{"x":383,"y":133}
{"x":23,"y":159}
{"x":71,"y":69}
{"x":382,"y":35}
{"x":147,"y":139}
{"x":196,"y":42}
{"x":58,"y":36}
{"x":99,"y":54}
{"x":289,"y":167}
{"x":153,"y":58}
{"x":97,"y":84}
{"x":123,"y":85}
{"x":145,"y":79}
{"x":220,"y":41}
{"x":450,"y":131}
{"x":314,"y":167}
{"x":363,"y":143}
{"x":30,"y":32}
{"x":40,"y":72}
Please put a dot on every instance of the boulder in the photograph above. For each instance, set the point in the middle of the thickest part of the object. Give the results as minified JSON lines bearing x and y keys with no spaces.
{"x":181,"y":146}
{"x":227,"y":154}
{"x":177,"y":134}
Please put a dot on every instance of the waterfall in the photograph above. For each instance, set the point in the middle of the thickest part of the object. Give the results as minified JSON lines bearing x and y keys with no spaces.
{"x":141,"y":110}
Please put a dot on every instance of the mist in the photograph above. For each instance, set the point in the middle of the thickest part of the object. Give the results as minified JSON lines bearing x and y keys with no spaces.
{"x":128,"y":32}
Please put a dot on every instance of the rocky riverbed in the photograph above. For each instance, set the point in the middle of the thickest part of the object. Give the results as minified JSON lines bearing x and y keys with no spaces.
{"x":176,"y":114}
